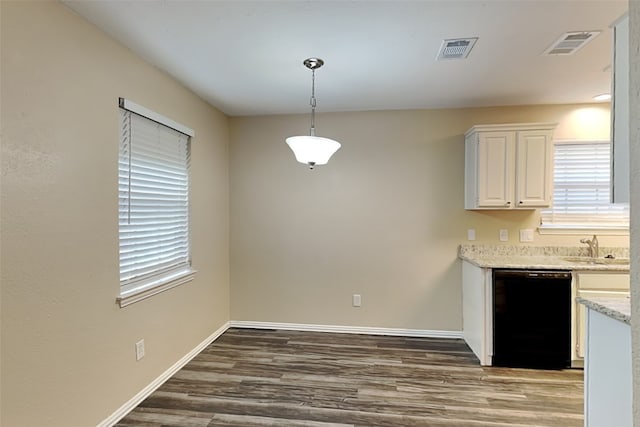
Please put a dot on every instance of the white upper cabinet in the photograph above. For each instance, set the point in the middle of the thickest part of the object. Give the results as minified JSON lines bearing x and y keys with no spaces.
{"x":620,"y":115}
{"x":509,"y":166}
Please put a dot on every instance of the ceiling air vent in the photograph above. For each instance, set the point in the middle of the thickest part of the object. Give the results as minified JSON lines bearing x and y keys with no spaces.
{"x":570,"y":43}
{"x":456,"y":48}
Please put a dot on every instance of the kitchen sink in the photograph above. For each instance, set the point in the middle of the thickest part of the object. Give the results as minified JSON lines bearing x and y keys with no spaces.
{"x":603,"y":261}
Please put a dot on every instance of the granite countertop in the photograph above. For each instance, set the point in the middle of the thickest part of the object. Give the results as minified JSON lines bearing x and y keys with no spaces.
{"x":543,"y":258}
{"x":616,"y":308}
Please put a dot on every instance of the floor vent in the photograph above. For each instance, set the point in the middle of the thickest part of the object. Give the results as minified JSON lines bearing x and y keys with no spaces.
{"x":456,"y":48}
{"x":570,"y":43}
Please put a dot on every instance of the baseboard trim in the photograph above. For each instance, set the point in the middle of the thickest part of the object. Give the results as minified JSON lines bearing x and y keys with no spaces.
{"x":421,"y":333}
{"x":145,"y":392}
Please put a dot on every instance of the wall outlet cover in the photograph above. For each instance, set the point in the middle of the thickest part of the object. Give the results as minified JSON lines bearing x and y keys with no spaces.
{"x":504,"y":235}
{"x":471,"y":234}
{"x":139,"y":349}
{"x":356,"y":300}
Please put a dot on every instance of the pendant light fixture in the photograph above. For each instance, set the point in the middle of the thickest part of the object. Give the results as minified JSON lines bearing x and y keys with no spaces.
{"x":310,"y":149}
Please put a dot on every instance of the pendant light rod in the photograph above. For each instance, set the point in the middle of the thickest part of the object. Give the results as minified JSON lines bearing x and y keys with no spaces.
{"x":312,"y":101}
{"x":313,"y":64}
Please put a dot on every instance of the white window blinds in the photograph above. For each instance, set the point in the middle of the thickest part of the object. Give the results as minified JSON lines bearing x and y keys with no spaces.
{"x":582,"y":188}
{"x":153,"y":186}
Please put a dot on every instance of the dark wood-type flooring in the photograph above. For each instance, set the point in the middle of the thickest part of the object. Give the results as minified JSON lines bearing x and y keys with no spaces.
{"x":253,"y":377}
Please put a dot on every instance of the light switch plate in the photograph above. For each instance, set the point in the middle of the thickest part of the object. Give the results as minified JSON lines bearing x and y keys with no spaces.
{"x":526,"y":235}
{"x":504,"y":235}
{"x":471,"y":234}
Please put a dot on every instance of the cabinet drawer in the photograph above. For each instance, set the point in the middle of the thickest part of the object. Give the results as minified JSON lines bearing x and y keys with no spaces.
{"x":604,"y":281}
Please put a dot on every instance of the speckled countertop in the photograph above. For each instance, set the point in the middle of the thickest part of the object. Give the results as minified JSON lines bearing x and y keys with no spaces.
{"x":543,"y":257}
{"x":616,"y":308}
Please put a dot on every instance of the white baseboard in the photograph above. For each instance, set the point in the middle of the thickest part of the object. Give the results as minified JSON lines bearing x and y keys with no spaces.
{"x":422,"y":333}
{"x":146,"y":392}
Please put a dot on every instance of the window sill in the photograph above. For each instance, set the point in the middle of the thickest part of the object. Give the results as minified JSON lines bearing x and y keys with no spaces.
{"x":143,"y":292}
{"x":584,"y":229}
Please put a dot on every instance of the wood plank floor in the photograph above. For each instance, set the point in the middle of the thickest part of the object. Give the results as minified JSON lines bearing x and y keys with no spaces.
{"x":282,"y":378}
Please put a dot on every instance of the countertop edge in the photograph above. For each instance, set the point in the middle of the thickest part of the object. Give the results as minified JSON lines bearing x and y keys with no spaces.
{"x":538,"y":263}
{"x":610,"y":307}
{"x":472,"y":261}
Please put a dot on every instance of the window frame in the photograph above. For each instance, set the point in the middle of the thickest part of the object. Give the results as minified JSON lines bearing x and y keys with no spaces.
{"x":161,"y":279}
{"x":570,"y":228}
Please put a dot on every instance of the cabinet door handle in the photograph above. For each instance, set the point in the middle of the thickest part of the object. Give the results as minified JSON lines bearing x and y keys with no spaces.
{"x":508,"y":203}
{"x":520,"y":202}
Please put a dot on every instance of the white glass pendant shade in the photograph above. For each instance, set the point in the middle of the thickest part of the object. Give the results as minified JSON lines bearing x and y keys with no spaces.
{"x":312,"y":150}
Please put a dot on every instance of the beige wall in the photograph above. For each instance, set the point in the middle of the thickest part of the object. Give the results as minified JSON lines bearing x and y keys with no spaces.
{"x":383,"y":219}
{"x":67,"y":349}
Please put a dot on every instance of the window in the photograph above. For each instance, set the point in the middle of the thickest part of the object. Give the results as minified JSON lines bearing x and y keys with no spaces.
{"x":153,"y":187}
{"x":582,"y":191}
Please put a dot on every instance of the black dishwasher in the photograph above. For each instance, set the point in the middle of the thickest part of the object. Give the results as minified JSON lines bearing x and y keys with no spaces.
{"x":532,"y":318}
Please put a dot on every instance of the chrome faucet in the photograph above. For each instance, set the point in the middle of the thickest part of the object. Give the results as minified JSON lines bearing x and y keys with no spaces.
{"x":593,"y":246}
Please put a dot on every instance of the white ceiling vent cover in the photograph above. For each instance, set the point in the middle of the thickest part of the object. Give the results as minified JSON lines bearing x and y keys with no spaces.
{"x":456,"y":48}
{"x":570,"y":43}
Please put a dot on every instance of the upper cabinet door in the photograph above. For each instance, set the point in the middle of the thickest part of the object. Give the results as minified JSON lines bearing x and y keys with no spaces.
{"x":534,"y":151}
{"x":495,"y":169}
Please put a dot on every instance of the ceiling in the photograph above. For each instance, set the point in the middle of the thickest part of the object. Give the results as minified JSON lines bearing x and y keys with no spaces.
{"x":245,"y":57}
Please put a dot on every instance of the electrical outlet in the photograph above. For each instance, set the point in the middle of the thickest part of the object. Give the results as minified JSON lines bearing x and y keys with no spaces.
{"x":471,"y":234}
{"x":504,"y":235}
{"x":139,"y":349}
{"x":356,"y":300}
{"x":526,"y":235}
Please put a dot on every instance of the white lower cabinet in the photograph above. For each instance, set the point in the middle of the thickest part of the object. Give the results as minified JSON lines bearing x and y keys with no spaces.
{"x":477,"y":309}
{"x":608,"y":372}
{"x":590,"y":284}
